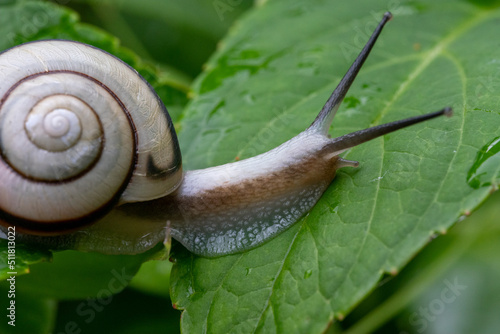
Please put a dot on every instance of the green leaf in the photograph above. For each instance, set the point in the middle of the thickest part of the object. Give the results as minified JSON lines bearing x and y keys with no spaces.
{"x":182,"y":34}
{"x":22,"y":255}
{"x":266,"y":84}
{"x":441,"y":264}
{"x":153,"y":277}
{"x":451,"y":284}
{"x":464,"y":298}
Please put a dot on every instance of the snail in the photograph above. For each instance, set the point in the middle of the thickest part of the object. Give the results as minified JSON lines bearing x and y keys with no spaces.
{"x":90,"y":160}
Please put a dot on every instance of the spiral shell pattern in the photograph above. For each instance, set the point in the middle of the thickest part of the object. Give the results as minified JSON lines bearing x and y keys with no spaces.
{"x":80,"y":131}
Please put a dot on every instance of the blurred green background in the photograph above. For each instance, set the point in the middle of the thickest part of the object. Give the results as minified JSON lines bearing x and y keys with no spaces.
{"x":180,"y":35}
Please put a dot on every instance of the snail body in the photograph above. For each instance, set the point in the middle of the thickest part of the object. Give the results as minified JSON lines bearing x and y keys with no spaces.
{"x":90,"y":161}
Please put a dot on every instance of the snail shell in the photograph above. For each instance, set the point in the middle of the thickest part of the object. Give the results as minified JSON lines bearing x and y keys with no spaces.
{"x":80,"y":131}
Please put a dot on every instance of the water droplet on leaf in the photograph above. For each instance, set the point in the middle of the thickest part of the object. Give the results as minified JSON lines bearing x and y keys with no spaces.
{"x":308,"y":273}
{"x":486,"y":167}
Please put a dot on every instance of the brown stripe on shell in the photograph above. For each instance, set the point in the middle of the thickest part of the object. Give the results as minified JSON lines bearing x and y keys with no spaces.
{"x":82,"y":173}
{"x":66,"y":180}
{"x":56,"y":227}
{"x":66,"y":226}
{"x":156,"y":173}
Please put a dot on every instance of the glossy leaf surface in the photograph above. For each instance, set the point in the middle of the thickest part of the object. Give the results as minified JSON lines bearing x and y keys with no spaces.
{"x":266,"y":84}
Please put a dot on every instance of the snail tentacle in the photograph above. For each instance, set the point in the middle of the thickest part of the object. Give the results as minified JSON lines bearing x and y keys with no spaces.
{"x":345,"y":142}
{"x":325,"y":117}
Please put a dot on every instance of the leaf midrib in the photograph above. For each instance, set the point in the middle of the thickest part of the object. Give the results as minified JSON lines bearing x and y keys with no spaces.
{"x":429,"y":56}
{"x":433,"y":53}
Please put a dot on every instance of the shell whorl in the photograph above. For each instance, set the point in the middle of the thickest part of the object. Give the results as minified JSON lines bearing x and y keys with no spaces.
{"x":80,"y":131}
